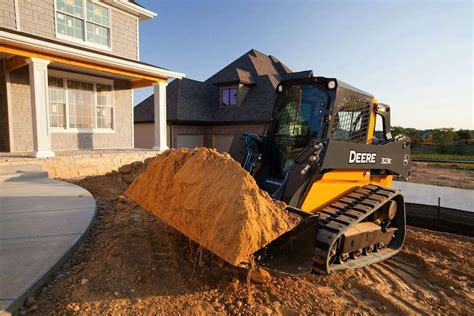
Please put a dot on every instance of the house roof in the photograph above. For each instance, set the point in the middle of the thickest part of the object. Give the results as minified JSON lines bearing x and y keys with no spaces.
{"x":248,"y":67}
{"x":136,"y":3}
{"x":198,"y":101}
{"x":133,"y":7}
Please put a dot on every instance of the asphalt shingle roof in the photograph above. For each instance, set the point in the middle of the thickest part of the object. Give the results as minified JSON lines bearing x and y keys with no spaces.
{"x":135,"y":2}
{"x":198,"y":102}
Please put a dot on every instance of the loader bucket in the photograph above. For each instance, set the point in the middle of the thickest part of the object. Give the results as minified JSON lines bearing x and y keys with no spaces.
{"x":210,"y":199}
{"x":292,"y":252}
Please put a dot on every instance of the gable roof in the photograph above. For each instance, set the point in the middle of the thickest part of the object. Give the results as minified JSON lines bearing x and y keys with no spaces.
{"x":248,"y":67}
{"x":192,"y":101}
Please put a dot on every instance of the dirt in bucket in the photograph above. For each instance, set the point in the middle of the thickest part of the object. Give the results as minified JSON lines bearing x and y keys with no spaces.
{"x":210,"y":199}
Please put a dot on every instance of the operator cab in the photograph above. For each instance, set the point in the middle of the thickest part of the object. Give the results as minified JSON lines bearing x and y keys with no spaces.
{"x":304,"y":112}
{"x":298,"y":117}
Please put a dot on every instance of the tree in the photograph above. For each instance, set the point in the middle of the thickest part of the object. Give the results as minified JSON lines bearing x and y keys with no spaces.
{"x":464,"y":134}
{"x":415,"y":136}
{"x":413,"y":133}
{"x":397,"y":130}
{"x":442,"y":138}
{"x":428,"y":135}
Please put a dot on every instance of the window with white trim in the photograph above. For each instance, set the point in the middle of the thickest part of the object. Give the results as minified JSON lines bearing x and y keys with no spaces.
{"x":84,"y":20}
{"x":105,"y":111}
{"x":79,"y":104}
{"x":57,"y":102}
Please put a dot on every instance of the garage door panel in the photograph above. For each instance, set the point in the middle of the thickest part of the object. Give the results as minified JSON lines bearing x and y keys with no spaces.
{"x":222,"y":142}
{"x":189,"y":141}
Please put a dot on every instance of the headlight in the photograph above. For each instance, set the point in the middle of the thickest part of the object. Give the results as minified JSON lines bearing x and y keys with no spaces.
{"x":331,"y":84}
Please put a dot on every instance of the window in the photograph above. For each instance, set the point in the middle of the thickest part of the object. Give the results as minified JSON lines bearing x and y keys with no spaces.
{"x":57,"y":102}
{"x":79,"y":104}
{"x":229,"y":97}
{"x":105,"y":117}
{"x":352,"y":121}
{"x":298,"y":117}
{"x":299,"y":114}
{"x":83,"y":20}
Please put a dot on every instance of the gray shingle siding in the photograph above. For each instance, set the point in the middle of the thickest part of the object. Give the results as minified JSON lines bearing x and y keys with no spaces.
{"x":21,"y":112}
{"x":7,"y":14}
{"x":38,"y":18}
{"x":124,"y":35}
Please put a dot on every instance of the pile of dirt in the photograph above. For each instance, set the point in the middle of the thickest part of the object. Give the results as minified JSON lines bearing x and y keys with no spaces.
{"x":210,"y":199}
{"x":133,"y":263}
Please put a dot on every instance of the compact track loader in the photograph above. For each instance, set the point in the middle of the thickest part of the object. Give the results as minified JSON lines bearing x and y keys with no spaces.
{"x":320,"y":156}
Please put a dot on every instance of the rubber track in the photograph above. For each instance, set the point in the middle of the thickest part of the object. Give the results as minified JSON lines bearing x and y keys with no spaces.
{"x":343,"y":214}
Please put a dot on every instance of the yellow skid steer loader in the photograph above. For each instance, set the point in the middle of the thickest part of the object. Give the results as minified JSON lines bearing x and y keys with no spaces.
{"x":320,"y":156}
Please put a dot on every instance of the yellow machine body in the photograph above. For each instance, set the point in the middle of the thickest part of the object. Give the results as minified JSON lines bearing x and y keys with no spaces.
{"x":320,"y":156}
{"x":334,"y":184}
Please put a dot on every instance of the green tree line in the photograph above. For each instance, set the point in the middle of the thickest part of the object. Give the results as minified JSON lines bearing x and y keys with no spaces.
{"x":444,"y":140}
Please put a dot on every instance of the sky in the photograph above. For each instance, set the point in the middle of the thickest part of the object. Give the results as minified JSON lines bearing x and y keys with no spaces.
{"x":416,"y":56}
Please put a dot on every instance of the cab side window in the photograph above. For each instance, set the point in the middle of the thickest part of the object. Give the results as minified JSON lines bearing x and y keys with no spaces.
{"x":351,"y":122}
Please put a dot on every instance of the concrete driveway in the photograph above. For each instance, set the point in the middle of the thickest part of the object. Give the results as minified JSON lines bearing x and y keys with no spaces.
{"x":42,"y":221}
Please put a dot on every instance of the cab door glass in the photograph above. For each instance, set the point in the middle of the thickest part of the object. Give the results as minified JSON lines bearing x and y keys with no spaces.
{"x":299,"y":117}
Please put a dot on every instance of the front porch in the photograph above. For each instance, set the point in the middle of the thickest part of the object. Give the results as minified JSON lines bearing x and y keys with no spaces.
{"x":58,"y":97}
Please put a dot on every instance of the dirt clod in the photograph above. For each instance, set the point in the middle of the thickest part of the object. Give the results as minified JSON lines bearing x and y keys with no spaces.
{"x":260,"y":275}
{"x":33,"y":308}
{"x":126,"y":169}
{"x":29,"y":301}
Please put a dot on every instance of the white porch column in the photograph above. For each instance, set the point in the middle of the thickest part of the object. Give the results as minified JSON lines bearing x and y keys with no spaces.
{"x":39,"y":105}
{"x":160,"y":115}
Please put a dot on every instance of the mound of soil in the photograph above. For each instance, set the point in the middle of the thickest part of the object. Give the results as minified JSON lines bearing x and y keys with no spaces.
{"x":133,"y":263}
{"x":210,"y":199}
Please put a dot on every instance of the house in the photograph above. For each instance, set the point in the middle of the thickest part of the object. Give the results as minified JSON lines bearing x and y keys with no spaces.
{"x":67,"y":73}
{"x":238,"y":98}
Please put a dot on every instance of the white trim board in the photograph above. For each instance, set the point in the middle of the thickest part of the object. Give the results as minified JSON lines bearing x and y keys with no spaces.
{"x":143,"y":14}
{"x":18,"y":40}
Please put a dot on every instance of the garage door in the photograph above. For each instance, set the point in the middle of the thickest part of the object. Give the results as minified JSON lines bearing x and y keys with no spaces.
{"x":189,"y":141}
{"x":222,"y":142}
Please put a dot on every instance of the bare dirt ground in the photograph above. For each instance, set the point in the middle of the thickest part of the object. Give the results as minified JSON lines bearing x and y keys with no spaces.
{"x":132,"y":263}
{"x":442,"y":175}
